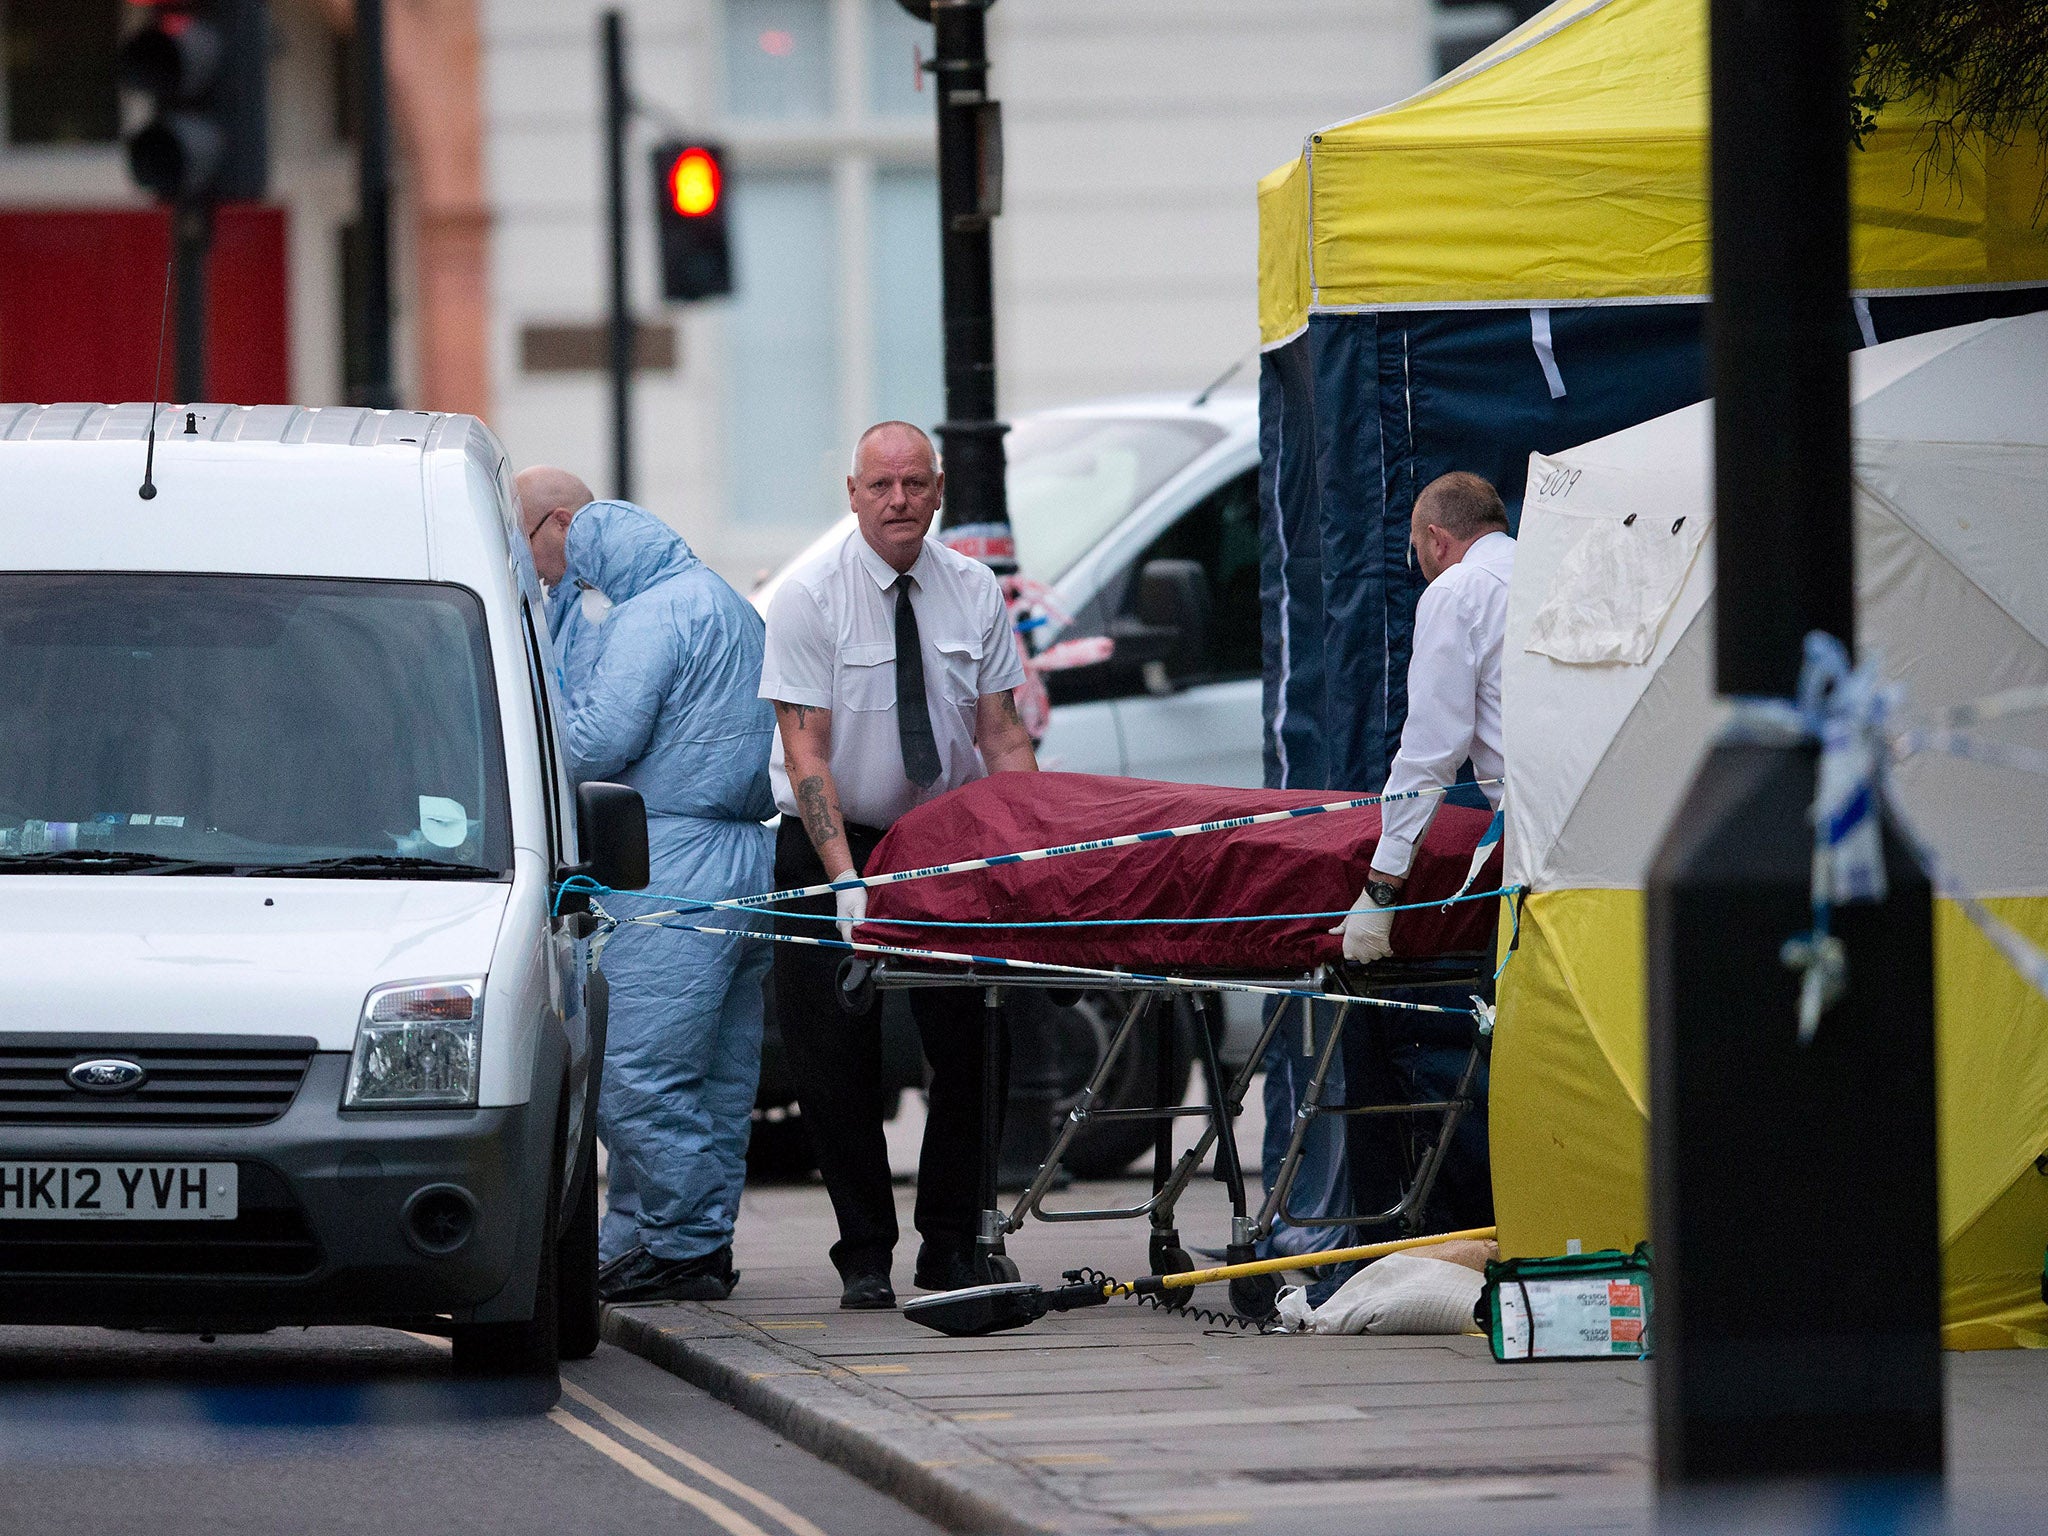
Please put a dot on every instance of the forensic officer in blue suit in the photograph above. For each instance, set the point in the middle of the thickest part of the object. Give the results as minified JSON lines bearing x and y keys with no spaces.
{"x":662,"y":696}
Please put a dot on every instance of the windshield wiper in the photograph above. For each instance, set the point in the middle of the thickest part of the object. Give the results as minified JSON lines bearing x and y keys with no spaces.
{"x":108,"y":861}
{"x":397,"y":865}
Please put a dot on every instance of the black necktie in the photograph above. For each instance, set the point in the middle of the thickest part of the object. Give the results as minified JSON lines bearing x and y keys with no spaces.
{"x":913,"y":715}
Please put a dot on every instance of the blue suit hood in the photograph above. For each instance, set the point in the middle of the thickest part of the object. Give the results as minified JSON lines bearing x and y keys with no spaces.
{"x":623,"y":550}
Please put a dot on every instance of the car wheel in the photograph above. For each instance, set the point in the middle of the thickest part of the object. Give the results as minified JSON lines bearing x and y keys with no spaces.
{"x":534,"y":1346}
{"x":576,"y":1298}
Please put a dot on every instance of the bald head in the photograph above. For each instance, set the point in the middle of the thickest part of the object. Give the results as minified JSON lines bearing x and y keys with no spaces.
{"x":895,"y":490}
{"x":548,"y":499}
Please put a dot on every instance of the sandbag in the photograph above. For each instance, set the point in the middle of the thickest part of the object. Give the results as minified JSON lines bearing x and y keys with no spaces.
{"x":1401,"y":1293}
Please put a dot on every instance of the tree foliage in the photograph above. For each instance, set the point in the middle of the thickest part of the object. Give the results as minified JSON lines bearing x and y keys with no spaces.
{"x":1981,"y":67}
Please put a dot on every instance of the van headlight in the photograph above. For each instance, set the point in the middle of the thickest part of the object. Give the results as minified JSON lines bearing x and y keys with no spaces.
{"x":417,"y":1046}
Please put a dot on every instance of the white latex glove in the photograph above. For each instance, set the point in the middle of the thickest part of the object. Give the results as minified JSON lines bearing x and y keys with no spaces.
{"x":853,"y":908}
{"x":1368,"y":931}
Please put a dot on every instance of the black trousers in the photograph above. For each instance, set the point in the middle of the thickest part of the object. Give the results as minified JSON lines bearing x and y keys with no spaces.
{"x":836,"y":1061}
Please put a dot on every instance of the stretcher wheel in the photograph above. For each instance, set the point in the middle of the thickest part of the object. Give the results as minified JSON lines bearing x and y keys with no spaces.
{"x":1000,"y":1269}
{"x":1173,"y":1261}
{"x":1255,"y":1296}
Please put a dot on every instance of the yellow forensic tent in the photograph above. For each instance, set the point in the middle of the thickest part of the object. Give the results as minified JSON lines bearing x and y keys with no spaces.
{"x":1608,"y":706}
{"x":1513,"y":260}
{"x":1567,"y":164}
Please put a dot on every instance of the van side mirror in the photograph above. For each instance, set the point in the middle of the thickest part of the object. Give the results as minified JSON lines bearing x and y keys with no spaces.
{"x":1172,"y":615}
{"x":611,"y":827}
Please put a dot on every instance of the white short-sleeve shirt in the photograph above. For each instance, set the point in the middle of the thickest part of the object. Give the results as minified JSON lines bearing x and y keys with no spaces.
{"x":832,"y":645}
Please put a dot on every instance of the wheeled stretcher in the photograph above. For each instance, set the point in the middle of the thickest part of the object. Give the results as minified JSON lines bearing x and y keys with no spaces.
{"x":1151,"y":1002}
{"x":1122,"y":915}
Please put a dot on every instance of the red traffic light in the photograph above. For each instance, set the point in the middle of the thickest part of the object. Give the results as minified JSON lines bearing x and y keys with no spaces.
{"x":695,"y":183}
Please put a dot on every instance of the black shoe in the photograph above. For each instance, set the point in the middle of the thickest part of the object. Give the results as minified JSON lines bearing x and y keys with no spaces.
{"x":944,"y":1267}
{"x":867,"y":1291}
{"x":638,"y":1275}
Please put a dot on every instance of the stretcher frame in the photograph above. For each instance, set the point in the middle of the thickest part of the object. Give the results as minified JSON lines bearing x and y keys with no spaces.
{"x":1222,"y":1103}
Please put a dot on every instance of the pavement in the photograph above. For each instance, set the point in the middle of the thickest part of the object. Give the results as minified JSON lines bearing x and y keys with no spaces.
{"x":1125,"y":1418}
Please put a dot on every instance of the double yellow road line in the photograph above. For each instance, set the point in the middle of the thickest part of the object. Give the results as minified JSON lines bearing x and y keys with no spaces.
{"x":713,"y":1508}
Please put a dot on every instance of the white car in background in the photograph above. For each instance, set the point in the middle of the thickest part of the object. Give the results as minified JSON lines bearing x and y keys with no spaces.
{"x":1139,"y":520}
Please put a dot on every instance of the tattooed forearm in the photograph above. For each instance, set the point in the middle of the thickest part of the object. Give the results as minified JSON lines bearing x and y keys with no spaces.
{"x":802,"y":713}
{"x":1001,"y":735}
{"x":816,"y":807}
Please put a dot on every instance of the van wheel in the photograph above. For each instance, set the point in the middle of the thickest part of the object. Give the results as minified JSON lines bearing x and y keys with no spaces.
{"x":533,"y":1347}
{"x":576,"y":1269}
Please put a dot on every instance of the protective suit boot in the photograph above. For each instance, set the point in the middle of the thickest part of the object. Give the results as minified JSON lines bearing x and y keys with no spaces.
{"x":637,"y":1275}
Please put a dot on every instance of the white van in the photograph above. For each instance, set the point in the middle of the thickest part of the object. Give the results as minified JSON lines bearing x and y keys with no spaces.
{"x":297,"y":1027}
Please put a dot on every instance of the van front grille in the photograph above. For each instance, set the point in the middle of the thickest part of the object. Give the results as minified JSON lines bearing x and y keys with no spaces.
{"x":188,"y":1079}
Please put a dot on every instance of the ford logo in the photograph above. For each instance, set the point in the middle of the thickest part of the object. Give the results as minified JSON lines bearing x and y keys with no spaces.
{"x":110,"y":1074}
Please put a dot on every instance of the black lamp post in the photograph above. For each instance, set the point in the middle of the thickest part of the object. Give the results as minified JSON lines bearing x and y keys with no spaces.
{"x":1793,"y":1186}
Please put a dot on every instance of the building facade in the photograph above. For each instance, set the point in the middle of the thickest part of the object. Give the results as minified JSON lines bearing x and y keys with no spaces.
{"x":1135,"y":132}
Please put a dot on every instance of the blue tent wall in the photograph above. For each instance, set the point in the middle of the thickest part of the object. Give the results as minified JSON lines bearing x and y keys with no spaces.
{"x":1357,"y":414}
{"x":1360,"y":411}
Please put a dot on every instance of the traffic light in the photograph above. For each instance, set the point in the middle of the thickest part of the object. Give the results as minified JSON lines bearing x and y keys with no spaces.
{"x":689,"y":201}
{"x":204,"y":65}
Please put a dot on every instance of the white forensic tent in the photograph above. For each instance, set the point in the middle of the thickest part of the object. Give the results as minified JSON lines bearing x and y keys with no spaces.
{"x":1606,"y":719}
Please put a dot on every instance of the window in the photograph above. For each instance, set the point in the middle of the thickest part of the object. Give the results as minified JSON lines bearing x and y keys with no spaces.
{"x":60,"y":79}
{"x":240,"y":721}
{"x":898,"y":43}
{"x":834,"y":320}
{"x":782,"y":339}
{"x":1220,"y":533}
{"x":1465,"y":27}
{"x":903,"y":267}
{"x":1072,"y":479}
{"x":778,"y":59}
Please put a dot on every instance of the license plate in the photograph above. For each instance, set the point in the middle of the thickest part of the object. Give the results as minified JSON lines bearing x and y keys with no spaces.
{"x":117,"y":1191}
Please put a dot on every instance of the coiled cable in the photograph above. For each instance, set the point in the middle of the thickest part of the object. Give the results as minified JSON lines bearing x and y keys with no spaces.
{"x":1218,"y":1322}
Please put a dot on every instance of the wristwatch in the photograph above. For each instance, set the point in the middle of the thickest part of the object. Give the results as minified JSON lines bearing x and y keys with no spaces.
{"x":1382,"y":894}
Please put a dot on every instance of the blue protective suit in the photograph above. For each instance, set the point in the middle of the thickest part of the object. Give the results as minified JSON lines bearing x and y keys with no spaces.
{"x":667,"y":703}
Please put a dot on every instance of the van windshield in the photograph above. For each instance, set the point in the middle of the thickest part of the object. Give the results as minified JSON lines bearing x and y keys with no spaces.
{"x":1072,"y":479}
{"x":247,"y":725}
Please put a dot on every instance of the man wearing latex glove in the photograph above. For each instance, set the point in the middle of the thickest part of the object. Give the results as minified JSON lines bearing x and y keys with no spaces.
{"x":1459,"y":536}
{"x":892,"y":666}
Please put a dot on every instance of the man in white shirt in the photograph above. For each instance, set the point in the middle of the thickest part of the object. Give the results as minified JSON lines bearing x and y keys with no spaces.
{"x":885,"y":618}
{"x":1460,"y":537}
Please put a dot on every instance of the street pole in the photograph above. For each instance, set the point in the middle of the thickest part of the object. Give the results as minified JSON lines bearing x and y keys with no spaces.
{"x":1797,"y":1326}
{"x":976,"y":516}
{"x":617,"y":106}
{"x":970,"y":197}
{"x":373,"y":384}
{"x":192,"y":243}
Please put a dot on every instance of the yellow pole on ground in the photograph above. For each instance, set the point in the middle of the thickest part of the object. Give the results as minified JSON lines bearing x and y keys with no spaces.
{"x":1304,"y":1261}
